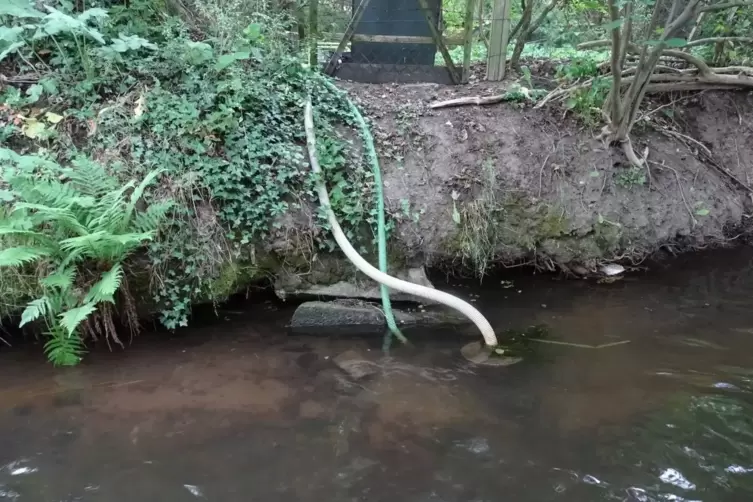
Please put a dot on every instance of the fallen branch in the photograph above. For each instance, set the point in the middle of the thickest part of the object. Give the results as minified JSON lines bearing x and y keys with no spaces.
{"x":634,"y":49}
{"x":476,"y":100}
{"x":668,"y":82}
{"x":728,"y":5}
{"x":713,"y":40}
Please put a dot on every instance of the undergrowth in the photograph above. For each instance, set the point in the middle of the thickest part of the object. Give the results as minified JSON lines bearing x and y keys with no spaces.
{"x":127,"y":92}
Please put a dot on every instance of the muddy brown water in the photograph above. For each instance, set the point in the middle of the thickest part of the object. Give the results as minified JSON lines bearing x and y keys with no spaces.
{"x":236,"y":410}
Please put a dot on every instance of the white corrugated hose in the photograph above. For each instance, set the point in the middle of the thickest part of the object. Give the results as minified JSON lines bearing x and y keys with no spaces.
{"x":490,"y":339}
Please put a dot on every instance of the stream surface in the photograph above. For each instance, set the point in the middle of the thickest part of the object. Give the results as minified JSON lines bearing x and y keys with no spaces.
{"x":237,"y":410}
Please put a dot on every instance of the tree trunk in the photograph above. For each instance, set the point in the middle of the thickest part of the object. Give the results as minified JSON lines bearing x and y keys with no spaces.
{"x":523,"y":33}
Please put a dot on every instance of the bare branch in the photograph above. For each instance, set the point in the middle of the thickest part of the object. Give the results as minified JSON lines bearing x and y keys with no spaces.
{"x":542,"y":15}
{"x":713,"y":40}
{"x":616,"y":105}
{"x":695,"y":61}
{"x":689,"y":58}
{"x":627,"y":31}
{"x":696,"y":25}
{"x":725,"y":5}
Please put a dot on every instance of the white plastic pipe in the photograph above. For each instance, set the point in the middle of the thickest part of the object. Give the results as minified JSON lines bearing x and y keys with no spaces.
{"x":465,"y":308}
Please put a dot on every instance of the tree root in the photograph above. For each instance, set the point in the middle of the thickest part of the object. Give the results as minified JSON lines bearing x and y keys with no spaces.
{"x":682,"y":192}
{"x":698,"y":80}
{"x":627,"y":147}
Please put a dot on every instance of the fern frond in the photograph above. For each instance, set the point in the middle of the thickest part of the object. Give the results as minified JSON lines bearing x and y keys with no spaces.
{"x":104,"y":290}
{"x":34,"y":310}
{"x":17,"y":256}
{"x":111,"y":209}
{"x":61,"y":279}
{"x":90,"y":178}
{"x":51,"y":193}
{"x":71,"y":319}
{"x":46,"y":214}
{"x":63,"y":349}
{"x":85,"y":244}
{"x":7,"y":230}
{"x":151,"y":219}
{"x":138,"y":193}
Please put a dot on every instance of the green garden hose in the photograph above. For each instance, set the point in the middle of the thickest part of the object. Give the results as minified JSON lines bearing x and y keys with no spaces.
{"x":381,"y":224}
{"x":490,"y":339}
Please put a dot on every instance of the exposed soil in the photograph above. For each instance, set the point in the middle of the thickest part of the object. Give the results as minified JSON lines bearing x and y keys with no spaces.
{"x":559,"y":197}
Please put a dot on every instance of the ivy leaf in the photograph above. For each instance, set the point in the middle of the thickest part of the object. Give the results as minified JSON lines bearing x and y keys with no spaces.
{"x":19,"y":8}
{"x":34,"y":92}
{"x":53,"y":118}
{"x":614,"y":24}
{"x":73,"y":318}
{"x":671,"y":42}
{"x":253,"y":32}
{"x":227,"y":59}
{"x":33,"y":128}
{"x":10,"y":34}
{"x":11,"y":49}
{"x":676,"y":42}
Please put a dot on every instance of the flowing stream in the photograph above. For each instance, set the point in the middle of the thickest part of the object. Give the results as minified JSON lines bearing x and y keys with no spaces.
{"x":235,"y":409}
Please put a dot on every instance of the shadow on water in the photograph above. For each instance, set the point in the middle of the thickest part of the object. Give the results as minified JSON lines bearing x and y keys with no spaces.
{"x":238,"y":410}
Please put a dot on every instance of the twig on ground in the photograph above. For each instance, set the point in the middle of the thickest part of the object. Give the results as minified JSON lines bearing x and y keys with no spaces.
{"x":679,"y":187}
{"x":681,"y":136}
{"x":646,"y":115}
{"x":475,"y":100}
{"x":541,"y":173}
{"x":710,"y":158}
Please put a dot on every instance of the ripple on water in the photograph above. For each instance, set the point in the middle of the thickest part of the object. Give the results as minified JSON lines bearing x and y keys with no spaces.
{"x":19,"y":468}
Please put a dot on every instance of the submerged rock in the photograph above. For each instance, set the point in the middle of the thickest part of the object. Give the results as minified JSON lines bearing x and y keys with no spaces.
{"x":355,"y":365}
{"x":611,"y":269}
{"x":291,"y":286}
{"x":361,"y":317}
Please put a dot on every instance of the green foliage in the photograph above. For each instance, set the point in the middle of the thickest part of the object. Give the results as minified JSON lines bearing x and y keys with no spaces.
{"x":586,"y":102}
{"x":77,"y":234}
{"x":582,"y":66}
{"x":219,"y":113}
{"x":631,"y":177}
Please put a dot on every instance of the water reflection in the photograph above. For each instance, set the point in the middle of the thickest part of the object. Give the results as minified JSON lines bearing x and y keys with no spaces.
{"x":239,"y":411}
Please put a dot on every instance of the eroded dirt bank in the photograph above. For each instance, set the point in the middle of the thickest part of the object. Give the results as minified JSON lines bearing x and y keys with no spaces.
{"x":510,"y":184}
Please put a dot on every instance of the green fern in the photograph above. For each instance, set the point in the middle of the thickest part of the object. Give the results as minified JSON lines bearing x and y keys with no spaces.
{"x":104,"y":290}
{"x":71,"y":319}
{"x":15,"y":257}
{"x":63,"y":349}
{"x":90,"y":222}
{"x":34,"y":310}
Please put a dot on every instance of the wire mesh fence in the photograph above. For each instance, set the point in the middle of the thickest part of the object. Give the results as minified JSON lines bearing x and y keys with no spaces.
{"x":395,"y":40}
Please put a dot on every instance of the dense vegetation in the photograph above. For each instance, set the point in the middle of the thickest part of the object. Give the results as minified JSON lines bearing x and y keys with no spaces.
{"x":154,"y":147}
{"x":126,"y":129}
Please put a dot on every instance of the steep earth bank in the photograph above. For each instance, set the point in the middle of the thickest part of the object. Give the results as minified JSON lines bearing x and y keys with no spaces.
{"x":472,"y":187}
